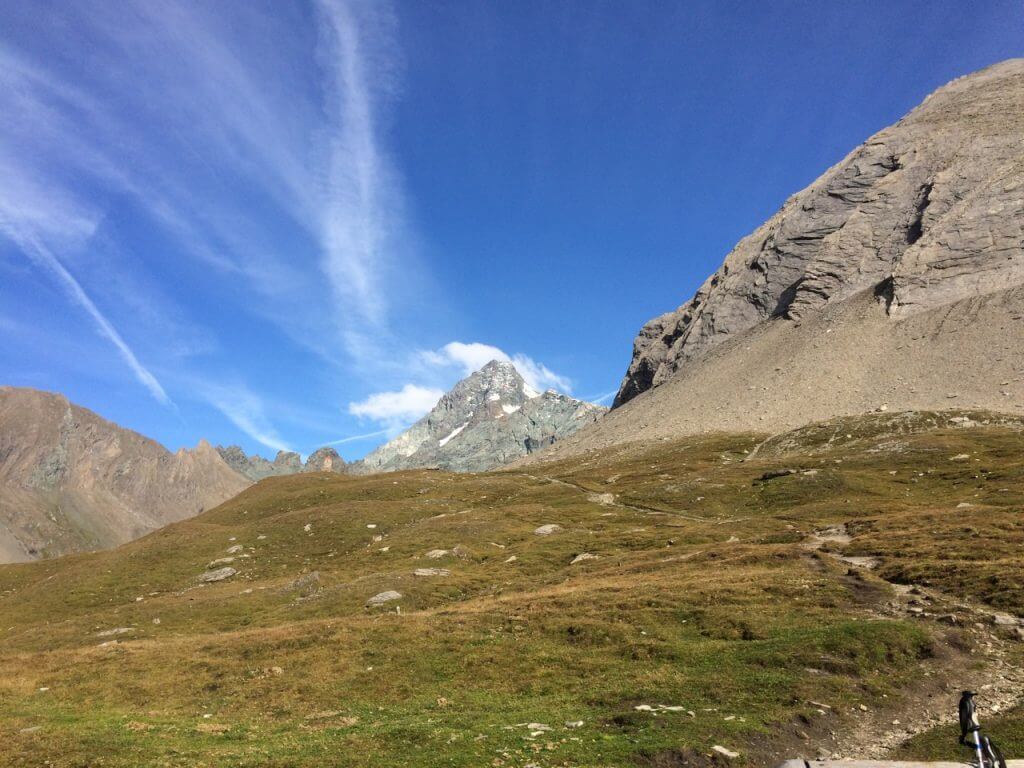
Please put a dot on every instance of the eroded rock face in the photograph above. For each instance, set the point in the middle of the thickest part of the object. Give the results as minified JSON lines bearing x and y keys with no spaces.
{"x":926,"y":212}
{"x":71,"y":481}
{"x":325,"y":460}
{"x":488,"y":419}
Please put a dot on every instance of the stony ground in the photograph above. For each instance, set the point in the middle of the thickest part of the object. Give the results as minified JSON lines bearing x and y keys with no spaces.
{"x":715,"y":600}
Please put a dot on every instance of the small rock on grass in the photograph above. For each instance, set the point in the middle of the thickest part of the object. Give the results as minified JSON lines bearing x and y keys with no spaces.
{"x":582,"y":557}
{"x":115,"y":631}
{"x":547,"y":530}
{"x":218,"y":575}
{"x":431,"y":572}
{"x":725,"y":752}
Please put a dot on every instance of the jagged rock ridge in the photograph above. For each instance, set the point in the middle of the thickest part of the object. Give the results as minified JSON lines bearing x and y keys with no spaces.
{"x":926,"y":212}
{"x":71,"y":481}
{"x":488,"y":419}
{"x":256,"y":467}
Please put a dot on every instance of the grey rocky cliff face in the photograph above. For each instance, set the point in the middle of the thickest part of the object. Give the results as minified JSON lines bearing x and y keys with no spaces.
{"x":256,"y":468}
{"x":927,"y":212}
{"x":488,"y":419}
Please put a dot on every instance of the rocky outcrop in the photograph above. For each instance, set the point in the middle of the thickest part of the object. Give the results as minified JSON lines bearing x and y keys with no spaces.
{"x":488,"y":419}
{"x":924,"y":214}
{"x":325,"y":459}
{"x":71,"y":481}
{"x":256,"y":468}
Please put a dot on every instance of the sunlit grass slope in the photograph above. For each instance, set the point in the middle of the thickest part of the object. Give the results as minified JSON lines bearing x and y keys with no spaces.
{"x":701,"y":605}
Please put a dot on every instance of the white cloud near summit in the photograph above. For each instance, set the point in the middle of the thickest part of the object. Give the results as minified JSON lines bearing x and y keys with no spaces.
{"x":473,"y":356}
{"x":396,"y":410}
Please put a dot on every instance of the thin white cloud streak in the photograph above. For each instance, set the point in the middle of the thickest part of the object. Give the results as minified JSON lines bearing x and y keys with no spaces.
{"x":356,"y":438}
{"x":44,"y":258}
{"x":243,"y":409}
{"x":602,"y":399}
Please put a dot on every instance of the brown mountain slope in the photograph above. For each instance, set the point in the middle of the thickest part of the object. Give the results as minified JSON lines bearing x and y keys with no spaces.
{"x":894,"y":279}
{"x":71,"y":481}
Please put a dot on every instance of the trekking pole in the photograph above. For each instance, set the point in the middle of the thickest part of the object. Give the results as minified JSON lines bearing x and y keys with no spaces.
{"x":986,"y":751}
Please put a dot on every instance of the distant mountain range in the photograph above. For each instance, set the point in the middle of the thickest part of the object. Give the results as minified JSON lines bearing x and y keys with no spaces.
{"x":256,"y":468}
{"x":71,"y":481}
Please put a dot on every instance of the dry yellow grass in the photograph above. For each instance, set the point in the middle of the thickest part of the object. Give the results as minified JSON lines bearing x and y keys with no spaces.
{"x":702,"y":597}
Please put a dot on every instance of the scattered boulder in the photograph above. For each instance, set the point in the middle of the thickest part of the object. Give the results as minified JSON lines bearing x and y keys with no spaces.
{"x":115,"y":631}
{"x":547,"y":530}
{"x":437,"y":554}
{"x":220,"y":561}
{"x":306,"y":585}
{"x":220,"y":574}
{"x":383,"y":597}
{"x":725,"y":752}
{"x":772,"y":474}
{"x":431,"y":572}
{"x":583,"y":556}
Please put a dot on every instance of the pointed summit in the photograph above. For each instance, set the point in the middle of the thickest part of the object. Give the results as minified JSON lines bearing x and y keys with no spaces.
{"x":489,"y":418}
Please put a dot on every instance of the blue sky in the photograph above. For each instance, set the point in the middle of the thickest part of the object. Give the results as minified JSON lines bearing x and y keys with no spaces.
{"x":288,"y":224}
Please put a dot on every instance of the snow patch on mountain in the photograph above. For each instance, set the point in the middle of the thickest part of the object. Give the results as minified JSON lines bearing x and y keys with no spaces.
{"x":444,"y":440}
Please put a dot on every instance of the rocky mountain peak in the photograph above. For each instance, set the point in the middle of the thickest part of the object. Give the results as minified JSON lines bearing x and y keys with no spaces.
{"x":895,"y":282}
{"x":925,"y":213}
{"x":487,"y":419}
{"x":325,"y":459}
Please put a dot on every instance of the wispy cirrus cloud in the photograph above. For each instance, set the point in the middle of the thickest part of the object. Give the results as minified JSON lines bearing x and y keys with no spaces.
{"x":39,"y":253}
{"x":244,"y":409}
{"x":252,"y":172}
